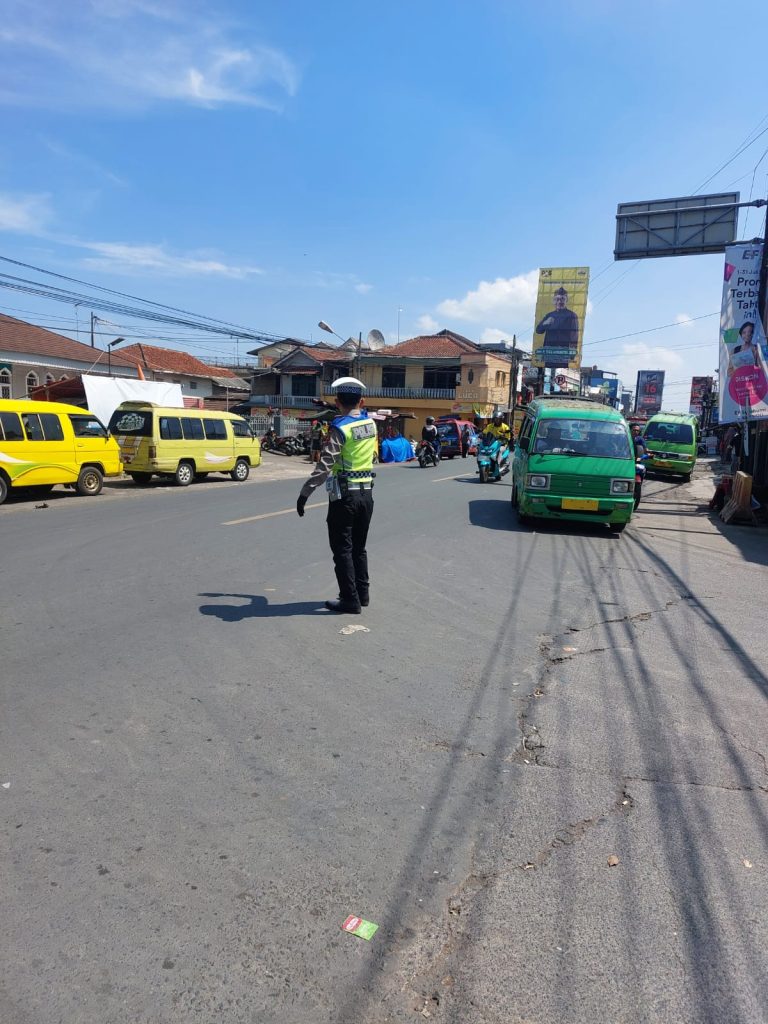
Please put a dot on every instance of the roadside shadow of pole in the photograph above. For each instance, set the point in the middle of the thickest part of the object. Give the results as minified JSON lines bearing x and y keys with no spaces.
{"x":690,"y":852}
{"x":689,"y":846}
{"x":361,"y":991}
{"x":258,"y":607}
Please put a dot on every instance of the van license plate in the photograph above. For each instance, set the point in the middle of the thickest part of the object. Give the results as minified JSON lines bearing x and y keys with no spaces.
{"x":582,"y":504}
{"x":662,"y":463}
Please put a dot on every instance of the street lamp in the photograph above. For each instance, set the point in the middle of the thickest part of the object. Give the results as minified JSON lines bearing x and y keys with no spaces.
{"x":327,"y":327}
{"x":110,"y":346}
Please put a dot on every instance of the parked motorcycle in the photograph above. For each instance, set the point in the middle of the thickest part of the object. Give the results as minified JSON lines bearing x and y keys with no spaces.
{"x":492,"y":459}
{"x":426,"y":454}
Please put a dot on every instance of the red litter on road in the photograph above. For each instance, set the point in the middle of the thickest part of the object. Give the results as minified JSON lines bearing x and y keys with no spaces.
{"x":360,"y":927}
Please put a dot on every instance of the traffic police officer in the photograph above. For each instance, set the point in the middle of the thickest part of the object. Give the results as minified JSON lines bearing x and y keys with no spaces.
{"x":345,"y":467}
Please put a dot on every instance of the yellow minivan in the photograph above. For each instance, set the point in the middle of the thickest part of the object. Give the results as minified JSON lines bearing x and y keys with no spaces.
{"x":186,"y":444}
{"x":47,"y":443}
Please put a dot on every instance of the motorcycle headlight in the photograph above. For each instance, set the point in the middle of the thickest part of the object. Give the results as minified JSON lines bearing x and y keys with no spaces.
{"x":622,"y":486}
{"x":540,"y":481}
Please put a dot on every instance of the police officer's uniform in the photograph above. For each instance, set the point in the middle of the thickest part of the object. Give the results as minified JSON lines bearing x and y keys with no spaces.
{"x":346,"y":467}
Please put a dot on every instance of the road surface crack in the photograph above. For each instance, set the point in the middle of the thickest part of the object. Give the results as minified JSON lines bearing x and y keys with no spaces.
{"x":574,"y":832}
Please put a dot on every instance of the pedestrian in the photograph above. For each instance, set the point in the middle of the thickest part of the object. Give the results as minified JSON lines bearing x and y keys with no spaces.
{"x":465,"y":436}
{"x":345,"y":467}
{"x":316,"y":441}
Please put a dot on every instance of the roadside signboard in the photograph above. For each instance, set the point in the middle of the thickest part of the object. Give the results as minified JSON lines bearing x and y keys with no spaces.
{"x":701,"y":388}
{"x":561,"y":306}
{"x":686,"y":226}
{"x":649,"y":391}
{"x":743,"y":352}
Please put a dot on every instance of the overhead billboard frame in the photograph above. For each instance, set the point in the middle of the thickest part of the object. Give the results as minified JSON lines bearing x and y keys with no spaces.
{"x":685,"y":226}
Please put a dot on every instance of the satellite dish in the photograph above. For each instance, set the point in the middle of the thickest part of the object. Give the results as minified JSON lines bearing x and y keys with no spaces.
{"x":375,"y":340}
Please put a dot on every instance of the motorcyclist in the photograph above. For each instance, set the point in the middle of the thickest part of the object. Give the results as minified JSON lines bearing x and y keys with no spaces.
{"x":638,"y":442}
{"x":498,"y":428}
{"x":430,"y":435}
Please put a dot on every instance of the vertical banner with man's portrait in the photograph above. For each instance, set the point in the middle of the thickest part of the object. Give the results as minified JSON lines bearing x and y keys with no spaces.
{"x":743,"y":353}
{"x":561,"y":306}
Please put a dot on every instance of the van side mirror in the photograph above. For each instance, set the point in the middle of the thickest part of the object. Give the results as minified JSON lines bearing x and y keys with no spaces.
{"x":523,"y":443}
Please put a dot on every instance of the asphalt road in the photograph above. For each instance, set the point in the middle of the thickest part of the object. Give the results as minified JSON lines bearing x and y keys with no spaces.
{"x":202,"y":777}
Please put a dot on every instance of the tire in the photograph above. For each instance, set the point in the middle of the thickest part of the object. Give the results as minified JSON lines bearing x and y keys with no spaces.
{"x":185,"y":474}
{"x":90,"y":481}
{"x":241,"y":471}
{"x":483,"y":475}
{"x":617,"y":527}
{"x":638,"y":494}
{"x":3,"y":489}
{"x":140,"y":479}
{"x":687,"y":478}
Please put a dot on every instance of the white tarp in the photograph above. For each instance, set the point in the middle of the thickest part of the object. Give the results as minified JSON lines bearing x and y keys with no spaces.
{"x":104,"y":394}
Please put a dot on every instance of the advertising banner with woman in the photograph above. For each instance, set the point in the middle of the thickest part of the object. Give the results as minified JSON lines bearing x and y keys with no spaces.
{"x":743,"y":351}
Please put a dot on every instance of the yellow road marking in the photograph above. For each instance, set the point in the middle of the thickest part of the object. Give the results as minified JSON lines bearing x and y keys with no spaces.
{"x":268,"y":515}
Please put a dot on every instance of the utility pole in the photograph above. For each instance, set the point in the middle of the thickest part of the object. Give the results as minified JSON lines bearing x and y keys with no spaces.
{"x":94,"y":318}
{"x":512,"y":401}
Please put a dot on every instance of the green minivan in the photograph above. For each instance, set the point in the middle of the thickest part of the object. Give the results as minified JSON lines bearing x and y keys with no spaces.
{"x":671,"y":439}
{"x":574,"y":459}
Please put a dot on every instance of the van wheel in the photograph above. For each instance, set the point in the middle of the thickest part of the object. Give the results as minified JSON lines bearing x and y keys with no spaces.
{"x":687,"y":478}
{"x":241,"y":470}
{"x":185,"y":474}
{"x":90,"y":481}
{"x":142,"y":479}
{"x":617,"y":527}
{"x":3,"y":489}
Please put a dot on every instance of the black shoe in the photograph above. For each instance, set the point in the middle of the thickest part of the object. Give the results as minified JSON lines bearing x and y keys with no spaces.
{"x":342,"y":607}
{"x":364,"y":600}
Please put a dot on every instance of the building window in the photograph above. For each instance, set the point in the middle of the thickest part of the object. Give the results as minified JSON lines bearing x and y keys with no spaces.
{"x":32,"y":380}
{"x":5,"y":383}
{"x":393,"y":376}
{"x":303,"y":385}
{"x":49,"y":379}
{"x":470,"y":375}
{"x":501,"y":379}
{"x":441,"y":376}
{"x":63,"y":377}
{"x":193,"y":385}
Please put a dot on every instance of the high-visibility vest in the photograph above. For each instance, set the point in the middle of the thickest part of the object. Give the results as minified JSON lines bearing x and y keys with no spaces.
{"x":356,"y":456}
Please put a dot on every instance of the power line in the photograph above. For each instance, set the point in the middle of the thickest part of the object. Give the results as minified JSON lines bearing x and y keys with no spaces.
{"x":650,"y":330}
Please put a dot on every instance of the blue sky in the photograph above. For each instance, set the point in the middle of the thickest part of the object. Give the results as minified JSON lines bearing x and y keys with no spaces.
{"x":277,"y":164}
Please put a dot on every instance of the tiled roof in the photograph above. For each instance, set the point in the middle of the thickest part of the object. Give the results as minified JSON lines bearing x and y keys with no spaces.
{"x":28,"y":339}
{"x":169,"y":360}
{"x":432,"y":346}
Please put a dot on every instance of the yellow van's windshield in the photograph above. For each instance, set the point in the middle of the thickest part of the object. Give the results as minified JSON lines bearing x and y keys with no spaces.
{"x":596,"y":438}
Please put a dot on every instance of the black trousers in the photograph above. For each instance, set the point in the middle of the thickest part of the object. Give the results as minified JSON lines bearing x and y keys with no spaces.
{"x":348,"y":521}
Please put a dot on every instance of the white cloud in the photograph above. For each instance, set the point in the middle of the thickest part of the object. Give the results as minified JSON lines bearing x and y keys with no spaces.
{"x":125,"y":53}
{"x":27,"y":214}
{"x":636,"y":356}
{"x":363,"y":288}
{"x":124,"y":258}
{"x":427,"y":324}
{"x":493,"y":334}
{"x":506,"y":298}
{"x":684,"y":319}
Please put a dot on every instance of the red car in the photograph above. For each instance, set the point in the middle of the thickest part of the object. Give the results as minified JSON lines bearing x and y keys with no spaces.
{"x":449,"y":431}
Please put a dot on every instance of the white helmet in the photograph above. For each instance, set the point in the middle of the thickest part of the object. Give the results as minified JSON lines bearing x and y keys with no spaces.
{"x":348,"y":386}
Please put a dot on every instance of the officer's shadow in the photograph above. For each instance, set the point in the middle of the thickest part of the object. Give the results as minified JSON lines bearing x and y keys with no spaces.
{"x":257,"y":607}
